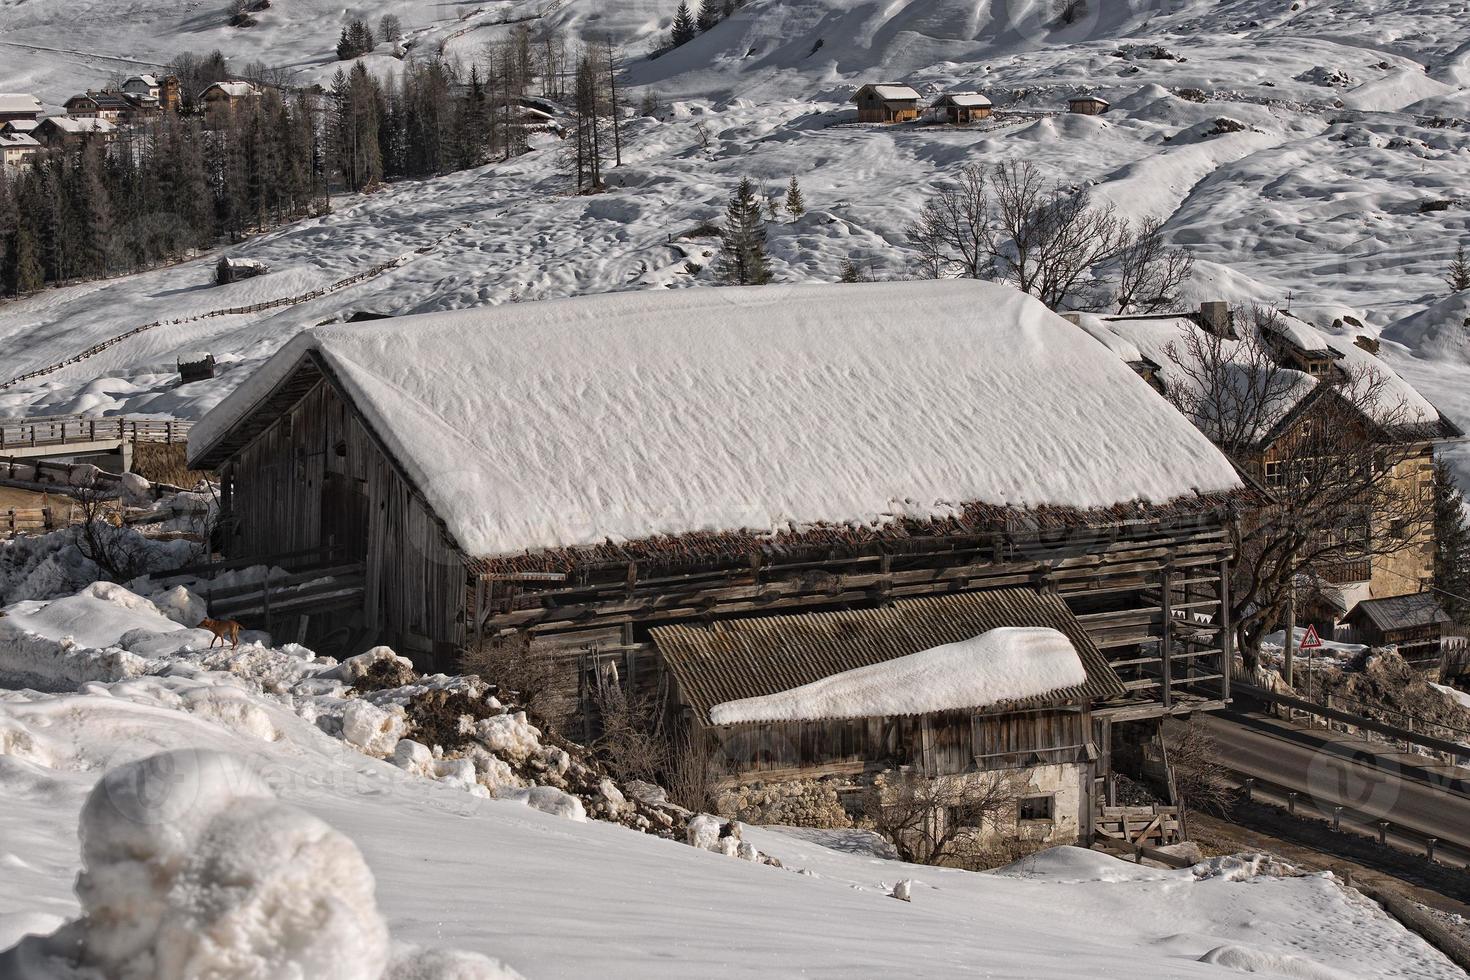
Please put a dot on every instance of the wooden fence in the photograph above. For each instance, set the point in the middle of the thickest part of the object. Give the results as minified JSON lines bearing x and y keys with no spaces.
{"x":59,"y":430}
{"x":1144,"y":825}
{"x":368,"y":273}
{"x":49,"y":517}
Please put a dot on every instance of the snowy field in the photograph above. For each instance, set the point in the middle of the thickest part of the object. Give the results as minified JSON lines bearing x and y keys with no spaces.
{"x":548,"y":894}
{"x":1326,"y":201}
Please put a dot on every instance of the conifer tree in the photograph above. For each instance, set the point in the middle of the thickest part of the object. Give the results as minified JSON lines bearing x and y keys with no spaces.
{"x":1459,"y":277}
{"x":709,"y":15}
{"x":684,"y":27}
{"x":1452,"y":545}
{"x":742,"y":260}
{"x":795,"y":204}
{"x":28,"y":275}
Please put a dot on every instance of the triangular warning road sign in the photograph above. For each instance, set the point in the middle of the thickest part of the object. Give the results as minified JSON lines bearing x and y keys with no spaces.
{"x":1311,"y":641}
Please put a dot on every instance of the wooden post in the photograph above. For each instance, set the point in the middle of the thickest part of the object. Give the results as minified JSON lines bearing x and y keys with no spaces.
{"x":1166,"y":642}
{"x":266,"y":600}
{"x":1227,"y":633}
{"x":1289,"y":674}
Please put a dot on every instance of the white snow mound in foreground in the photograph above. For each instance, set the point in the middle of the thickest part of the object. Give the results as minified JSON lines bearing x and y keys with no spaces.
{"x":192,"y":868}
{"x":630,"y":415}
{"x":1007,"y":664}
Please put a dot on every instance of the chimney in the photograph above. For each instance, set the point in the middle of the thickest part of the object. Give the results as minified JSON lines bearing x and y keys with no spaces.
{"x":1216,"y":317}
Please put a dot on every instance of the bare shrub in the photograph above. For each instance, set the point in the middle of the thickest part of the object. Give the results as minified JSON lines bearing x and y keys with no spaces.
{"x":119,"y":552}
{"x":509,"y":663}
{"x":695,"y":774}
{"x":1199,"y":776}
{"x":631,"y":745}
{"x":939,"y":820}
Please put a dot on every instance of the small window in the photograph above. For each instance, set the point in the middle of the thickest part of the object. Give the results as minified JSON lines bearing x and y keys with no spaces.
{"x":959,"y":816}
{"x":1035,"y":808}
{"x":1273,"y":474}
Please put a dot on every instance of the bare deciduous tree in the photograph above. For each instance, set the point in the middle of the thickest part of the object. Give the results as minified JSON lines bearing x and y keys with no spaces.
{"x":1149,"y":272}
{"x":1338,"y":496}
{"x":1010,"y":223}
{"x":936,"y":820}
{"x":952,"y":232}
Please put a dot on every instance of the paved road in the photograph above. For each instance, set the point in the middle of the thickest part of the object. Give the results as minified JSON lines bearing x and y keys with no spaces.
{"x":1329,"y":769}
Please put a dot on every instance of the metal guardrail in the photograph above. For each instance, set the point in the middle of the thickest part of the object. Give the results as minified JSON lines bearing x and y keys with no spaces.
{"x":1381,"y":828}
{"x":1456,"y":750}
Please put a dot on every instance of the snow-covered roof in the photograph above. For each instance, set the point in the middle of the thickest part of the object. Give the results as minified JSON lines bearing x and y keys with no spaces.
{"x":638,"y":414}
{"x":964,"y":100}
{"x":892,"y":92}
{"x":193,"y":356}
{"x":13,"y":140}
{"x":234,"y":89}
{"x":1149,"y":338}
{"x":1301,"y":334}
{"x":935,"y":653}
{"x":1085,"y":97}
{"x":85,"y":124}
{"x":1002,"y":665}
{"x":20,"y":126}
{"x":151,"y":81}
{"x":13,"y":102}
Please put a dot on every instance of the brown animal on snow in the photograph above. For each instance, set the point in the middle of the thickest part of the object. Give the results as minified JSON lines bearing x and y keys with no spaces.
{"x":222,"y":628}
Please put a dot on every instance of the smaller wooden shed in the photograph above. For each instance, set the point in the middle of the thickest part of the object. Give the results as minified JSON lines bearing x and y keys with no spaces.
{"x":810,"y":697}
{"x":887,"y":102}
{"x":959,"y":108}
{"x":195,"y":365}
{"x":1414,"y":623}
{"x":1088,"y":105}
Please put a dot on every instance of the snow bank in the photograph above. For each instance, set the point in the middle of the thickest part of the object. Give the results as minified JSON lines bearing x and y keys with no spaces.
{"x":854,"y":403}
{"x":1008,"y":664}
{"x":192,"y":868}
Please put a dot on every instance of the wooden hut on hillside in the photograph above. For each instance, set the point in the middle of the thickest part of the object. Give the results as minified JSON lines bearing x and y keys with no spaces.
{"x":1088,"y":105}
{"x":591,"y":482}
{"x":888,"y":102}
{"x":961,"y":108}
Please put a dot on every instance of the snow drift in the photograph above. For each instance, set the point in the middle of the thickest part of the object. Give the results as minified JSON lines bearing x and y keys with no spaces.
{"x":192,"y":868}
{"x":1007,"y":664}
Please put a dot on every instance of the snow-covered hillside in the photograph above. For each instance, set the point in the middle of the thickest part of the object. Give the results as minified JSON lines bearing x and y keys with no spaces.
{"x":548,"y":893}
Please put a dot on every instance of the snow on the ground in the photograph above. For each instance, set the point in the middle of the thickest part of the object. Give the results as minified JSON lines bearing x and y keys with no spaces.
{"x":1008,"y":664}
{"x":548,"y":896}
{"x":571,"y":422}
{"x":1348,"y":211}
{"x":192,"y":868}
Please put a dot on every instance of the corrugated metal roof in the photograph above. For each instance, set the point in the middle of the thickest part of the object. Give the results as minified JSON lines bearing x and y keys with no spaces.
{"x":746,"y":658}
{"x":1402,"y":612}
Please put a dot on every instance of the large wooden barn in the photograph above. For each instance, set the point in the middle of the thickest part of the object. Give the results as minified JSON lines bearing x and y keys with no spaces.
{"x":599,"y":482}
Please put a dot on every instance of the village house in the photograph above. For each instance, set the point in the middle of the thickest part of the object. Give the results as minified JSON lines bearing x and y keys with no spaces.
{"x":111,"y":106}
{"x":22,"y":126}
{"x":1416,"y":624}
{"x":1088,"y":105}
{"x":1410,"y":425}
{"x":562,"y":481}
{"x":19,"y":107}
{"x":227,"y":95}
{"x":886,"y":103}
{"x":17,"y":150}
{"x":151,"y":90}
{"x":960,"y":108}
{"x":61,"y":131}
{"x":142,"y":86}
